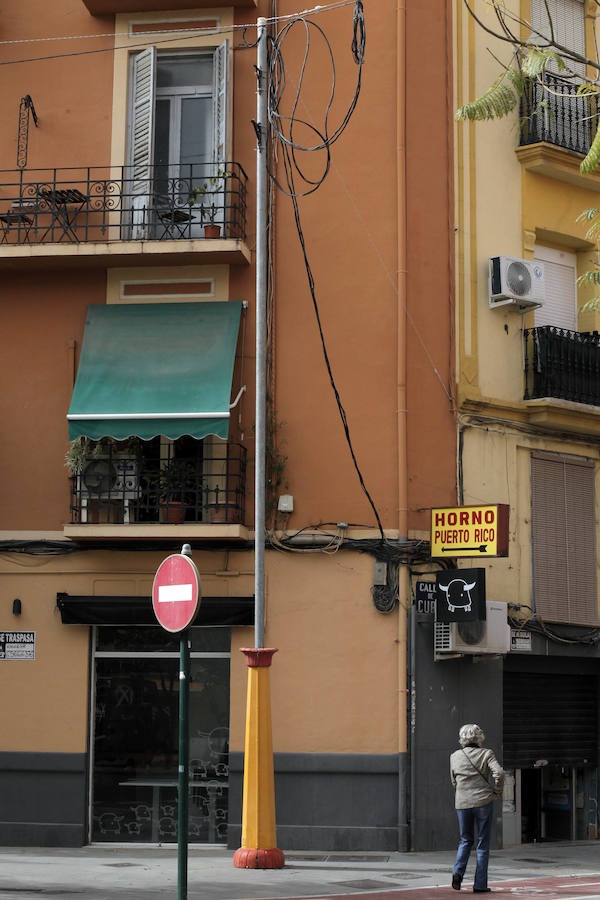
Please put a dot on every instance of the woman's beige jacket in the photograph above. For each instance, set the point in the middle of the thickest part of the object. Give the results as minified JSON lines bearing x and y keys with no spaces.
{"x":473,"y":789}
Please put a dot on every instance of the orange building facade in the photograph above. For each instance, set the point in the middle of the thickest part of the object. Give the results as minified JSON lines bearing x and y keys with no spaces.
{"x":129,"y":344}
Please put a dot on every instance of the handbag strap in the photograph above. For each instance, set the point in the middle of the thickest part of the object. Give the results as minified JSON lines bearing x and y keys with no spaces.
{"x":477,"y":769}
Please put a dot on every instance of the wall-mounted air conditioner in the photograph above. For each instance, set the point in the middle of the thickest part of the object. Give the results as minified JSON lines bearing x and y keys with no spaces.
{"x":491,"y":636}
{"x":115,"y":477}
{"x":518,"y":282}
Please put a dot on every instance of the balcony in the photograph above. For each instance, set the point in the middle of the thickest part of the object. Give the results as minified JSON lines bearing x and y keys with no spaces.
{"x":108,"y":7}
{"x":558,"y":126}
{"x":563,"y":365}
{"x":140,"y":488}
{"x":555,"y":113}
{"x":124,"y":216}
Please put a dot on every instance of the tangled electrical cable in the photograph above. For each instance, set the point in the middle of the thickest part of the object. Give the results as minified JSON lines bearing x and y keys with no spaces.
{"x":283,"y":130}
{"x":587,"y":637}
{"x":284,"y":125}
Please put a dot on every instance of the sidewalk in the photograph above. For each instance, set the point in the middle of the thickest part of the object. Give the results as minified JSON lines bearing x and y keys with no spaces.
{"x":150,"y":873}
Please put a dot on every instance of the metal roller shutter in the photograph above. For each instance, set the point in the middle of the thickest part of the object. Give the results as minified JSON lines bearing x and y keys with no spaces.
{"x":563,"y":532}
{"x":551,"y":717}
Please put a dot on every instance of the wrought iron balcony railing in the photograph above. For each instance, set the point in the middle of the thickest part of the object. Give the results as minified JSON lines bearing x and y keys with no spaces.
{"x":562,"y":364}
{"x":118,"y":203}
{"x":554,"y":111}
{"x":120,"y":485}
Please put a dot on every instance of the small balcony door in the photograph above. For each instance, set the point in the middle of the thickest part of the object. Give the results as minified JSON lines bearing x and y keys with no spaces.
{"x":177,"y":142}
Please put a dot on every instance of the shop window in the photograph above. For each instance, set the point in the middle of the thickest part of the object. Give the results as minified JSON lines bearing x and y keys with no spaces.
{"x":135,"y":741}
{"x":563,"y":534}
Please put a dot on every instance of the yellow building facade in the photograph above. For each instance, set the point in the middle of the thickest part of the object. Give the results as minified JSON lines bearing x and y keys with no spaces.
{"x":528,"y":418}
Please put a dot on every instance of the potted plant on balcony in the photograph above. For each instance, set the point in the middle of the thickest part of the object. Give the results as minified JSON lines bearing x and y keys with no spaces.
{"x":208,"y":211}
{"x":174,"y":479}
{"x":223,"y":512}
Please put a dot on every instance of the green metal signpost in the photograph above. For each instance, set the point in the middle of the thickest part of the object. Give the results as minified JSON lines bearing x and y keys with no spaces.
{"x":176,"y":600}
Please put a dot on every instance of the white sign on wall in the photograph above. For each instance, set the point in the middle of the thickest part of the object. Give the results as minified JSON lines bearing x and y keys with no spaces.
{"x":17,"y":644}
{"x":520,"y":639}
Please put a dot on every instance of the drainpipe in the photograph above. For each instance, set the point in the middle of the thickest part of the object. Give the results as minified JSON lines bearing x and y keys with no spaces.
{"x":403,"y":574}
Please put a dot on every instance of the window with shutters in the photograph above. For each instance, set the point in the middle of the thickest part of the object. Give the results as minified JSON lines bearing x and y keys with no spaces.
{"x":566,"y":20}
{"x":177,"y":140}
{"x":560,"y":281}
{"x":563,"y":534}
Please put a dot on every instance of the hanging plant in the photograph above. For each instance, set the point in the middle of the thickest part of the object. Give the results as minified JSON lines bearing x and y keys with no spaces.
{"x":83,"y":449}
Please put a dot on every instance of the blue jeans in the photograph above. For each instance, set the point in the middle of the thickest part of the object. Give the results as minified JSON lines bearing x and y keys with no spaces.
{"x":466,"y":822}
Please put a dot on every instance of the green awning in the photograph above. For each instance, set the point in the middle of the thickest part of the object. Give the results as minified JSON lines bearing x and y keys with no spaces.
{"x":155,"y":368}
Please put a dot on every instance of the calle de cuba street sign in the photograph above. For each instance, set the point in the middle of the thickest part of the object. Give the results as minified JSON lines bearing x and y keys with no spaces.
{"x":470,"y":531}
{"x":176,"y":592}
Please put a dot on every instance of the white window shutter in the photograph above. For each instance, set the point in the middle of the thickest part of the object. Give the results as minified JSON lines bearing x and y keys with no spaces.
{"x":220,"y":89}
{"x":568,"y":23}
{"x":560,"y":273}
{"x":142,"y":138}
{"x":220,"y":112}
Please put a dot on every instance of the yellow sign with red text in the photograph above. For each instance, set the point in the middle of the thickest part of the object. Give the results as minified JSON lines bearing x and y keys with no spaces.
{"x":469,"y":531}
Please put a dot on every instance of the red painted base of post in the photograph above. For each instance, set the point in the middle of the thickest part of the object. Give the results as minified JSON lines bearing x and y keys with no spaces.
{"x":251,"y":858}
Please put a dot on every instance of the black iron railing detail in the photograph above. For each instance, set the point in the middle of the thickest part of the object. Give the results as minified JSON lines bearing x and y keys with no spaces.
{"x":554,"y":112}
{"x":562,"y":364}
{"x":123,"y":486}
{"x":106,"y":203}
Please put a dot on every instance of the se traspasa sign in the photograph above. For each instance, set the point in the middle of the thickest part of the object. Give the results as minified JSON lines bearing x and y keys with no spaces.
{"x":17,"y":644}
{"x":479,"y":531}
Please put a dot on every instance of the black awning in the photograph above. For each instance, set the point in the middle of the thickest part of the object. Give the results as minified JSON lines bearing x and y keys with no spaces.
{"x":89,"y":610}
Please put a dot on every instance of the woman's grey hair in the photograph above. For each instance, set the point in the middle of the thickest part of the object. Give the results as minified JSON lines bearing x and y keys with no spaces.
{"x":471,"y":734}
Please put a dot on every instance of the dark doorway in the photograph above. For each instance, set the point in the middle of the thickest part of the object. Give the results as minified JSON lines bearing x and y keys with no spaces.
{"x":531,"y":797}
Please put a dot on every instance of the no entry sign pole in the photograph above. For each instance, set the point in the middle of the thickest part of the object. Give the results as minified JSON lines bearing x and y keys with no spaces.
{"x":176,"y":599}
{"x":183,"y":774}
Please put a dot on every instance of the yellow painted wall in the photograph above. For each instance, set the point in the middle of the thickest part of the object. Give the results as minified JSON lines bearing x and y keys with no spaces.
{"x":502,"y":209}
{"x":496,"y":463}
{"x":488,"y":207}
{"x":334,"y":681}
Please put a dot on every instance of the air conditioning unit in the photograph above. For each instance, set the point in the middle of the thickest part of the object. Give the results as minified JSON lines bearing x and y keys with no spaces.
{"x":491,"y":636}
{"x":518,"y":282}
{"x":115,"y":476}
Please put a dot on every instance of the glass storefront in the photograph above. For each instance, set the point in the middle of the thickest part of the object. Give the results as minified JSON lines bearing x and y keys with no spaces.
{"x":136,"y":735}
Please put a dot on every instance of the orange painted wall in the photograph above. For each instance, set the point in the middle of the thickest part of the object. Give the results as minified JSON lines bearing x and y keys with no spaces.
{"x":350,"y":231}
{"x":72,"y":94}
{"x":350,"y":227}
{"x":430,"y":254}
{"x":41,"y":313}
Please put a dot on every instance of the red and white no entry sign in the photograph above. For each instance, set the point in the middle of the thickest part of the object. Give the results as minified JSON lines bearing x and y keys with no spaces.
{"x":176,"y":592}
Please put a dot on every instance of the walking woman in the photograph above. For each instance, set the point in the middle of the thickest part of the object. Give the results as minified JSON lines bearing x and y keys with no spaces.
{"x":478,"y":779}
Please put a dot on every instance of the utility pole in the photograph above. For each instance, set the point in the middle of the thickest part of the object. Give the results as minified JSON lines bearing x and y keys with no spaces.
{"x":259,"y":835}
{"x":261,"y":332}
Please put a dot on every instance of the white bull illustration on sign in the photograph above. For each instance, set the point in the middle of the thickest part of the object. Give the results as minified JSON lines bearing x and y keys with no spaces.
{"x":458,"y":594}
